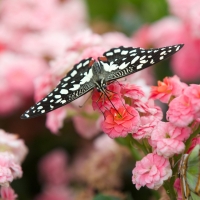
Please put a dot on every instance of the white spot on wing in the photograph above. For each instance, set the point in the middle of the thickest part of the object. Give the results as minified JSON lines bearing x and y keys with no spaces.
{"x":40,"y":107}
{"x":139,"y":66}
{"x":51,"y":101}
{"x":26,"y":115}
{"x":43,"y":111}
{"x":73,"y":73}
{"x":63,"y":101}
{"x":86,"y":62}
{"x":161,"y":57}
{"x":143,"y":57}
{"x":45,"y":99}
{"x":110,"y":67}
{"x":109,"y":54}
{"x":58,"y":100}
{"x":63,"y":91}
{"x":124,"y":65}
{"x":135,"y":59}
{"x":124,"y":52}
{"x":76,"y":87}
{"x":133,"y":51}
{"x":143,"y":61}
{"x":66,"y":79}
{"x":117,"y":50}
{"x":79,"y":66}
{"x":152,"y":61}
{"x":87,"y":77}
{"x":51,"y":106}
{"x":163,"y":53}
{"x":57,"y":96}
{"x":178,"y":48}
{"x":155,"y":51}
{"x":134,"y":54}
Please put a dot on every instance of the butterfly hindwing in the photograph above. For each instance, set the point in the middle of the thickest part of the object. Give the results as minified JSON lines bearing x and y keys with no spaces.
{"x":127,"y":60}
{"x":75,"y":84}
{"x":190,"y":174}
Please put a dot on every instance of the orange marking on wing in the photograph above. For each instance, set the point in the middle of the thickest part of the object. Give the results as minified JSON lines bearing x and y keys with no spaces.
{"x":91,"y":63}
{"x":103,"y":58}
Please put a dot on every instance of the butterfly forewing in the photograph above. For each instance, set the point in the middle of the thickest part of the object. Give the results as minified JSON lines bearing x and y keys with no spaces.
{"x":76,"y":83}
{"x":124,"y":61}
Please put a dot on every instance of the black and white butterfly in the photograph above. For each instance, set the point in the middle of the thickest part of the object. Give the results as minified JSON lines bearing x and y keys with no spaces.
{"x":89,"y":74}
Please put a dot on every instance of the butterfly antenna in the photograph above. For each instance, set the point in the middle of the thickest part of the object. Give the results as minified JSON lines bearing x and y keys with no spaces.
{"x":121,"y":101}
{"x":105,"y":92}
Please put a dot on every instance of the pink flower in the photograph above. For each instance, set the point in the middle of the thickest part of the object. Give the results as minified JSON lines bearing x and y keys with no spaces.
{"x":120,"y":122}
{"x":168,"y":139}
{"x":193,"y":92}
{"x":55,"y":119}
{"x":87,"y":126}
{"x":195,"y":141}
{"x":186,"y":63}
{"x":10,"y":143}
{"x":150,"y":116}
{"x":132,"y":91}
{"x":7,"y":193}
{"x":177,"y":186}
{"x":151,"y":171}
{"x":170,"y":87}
{"x":17,"y":79}
{"x":180,"y":112}
{"x":8,"y":168}
{"x":53,"y":168}
{"x":101,"y":102}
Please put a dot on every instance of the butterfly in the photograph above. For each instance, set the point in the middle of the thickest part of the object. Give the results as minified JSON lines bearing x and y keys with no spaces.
{"x":89,"y":74}
{"x":189,"y":171}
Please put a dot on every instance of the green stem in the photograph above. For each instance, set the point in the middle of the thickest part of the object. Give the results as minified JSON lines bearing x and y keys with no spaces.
{"x":169,"y":187}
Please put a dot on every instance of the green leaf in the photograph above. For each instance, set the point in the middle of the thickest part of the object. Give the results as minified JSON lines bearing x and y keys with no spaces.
{"x":105,"y":197}
{"x":194,"y":196}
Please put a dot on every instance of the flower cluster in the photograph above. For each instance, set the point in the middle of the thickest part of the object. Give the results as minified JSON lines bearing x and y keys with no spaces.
{"x":12,"y":154}
{"x":127,"y":111}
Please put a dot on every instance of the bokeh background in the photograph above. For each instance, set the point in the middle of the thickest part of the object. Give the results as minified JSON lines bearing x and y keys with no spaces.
{"x":39,"y":42}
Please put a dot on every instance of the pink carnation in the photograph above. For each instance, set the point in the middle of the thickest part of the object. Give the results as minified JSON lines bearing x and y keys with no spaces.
{"x":150,"y":116}
{"x":101,"y":102}
{"x":167,"y":139}
{"x":8,"y":168}
{"x":195,"y":141}
{"x":13,"y":145}
{"x":177,"y":186}
{"x":120,"y":122}
{"x":7,"y":193}
{"x":132,"y":91}
{"x":151,"y":171}
{"x":170,"y":87}
{"x":193,"y":92}
{"x":180,"y":112}
{"x":87,"y":126}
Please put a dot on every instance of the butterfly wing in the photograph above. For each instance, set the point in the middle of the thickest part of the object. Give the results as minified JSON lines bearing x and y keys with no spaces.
{"x":193,"y":170}
{"x":76,"y":83}
{"x":123,"y":61}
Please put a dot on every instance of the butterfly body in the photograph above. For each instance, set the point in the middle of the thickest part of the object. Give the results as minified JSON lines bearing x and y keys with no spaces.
{"x":89,"y":74}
